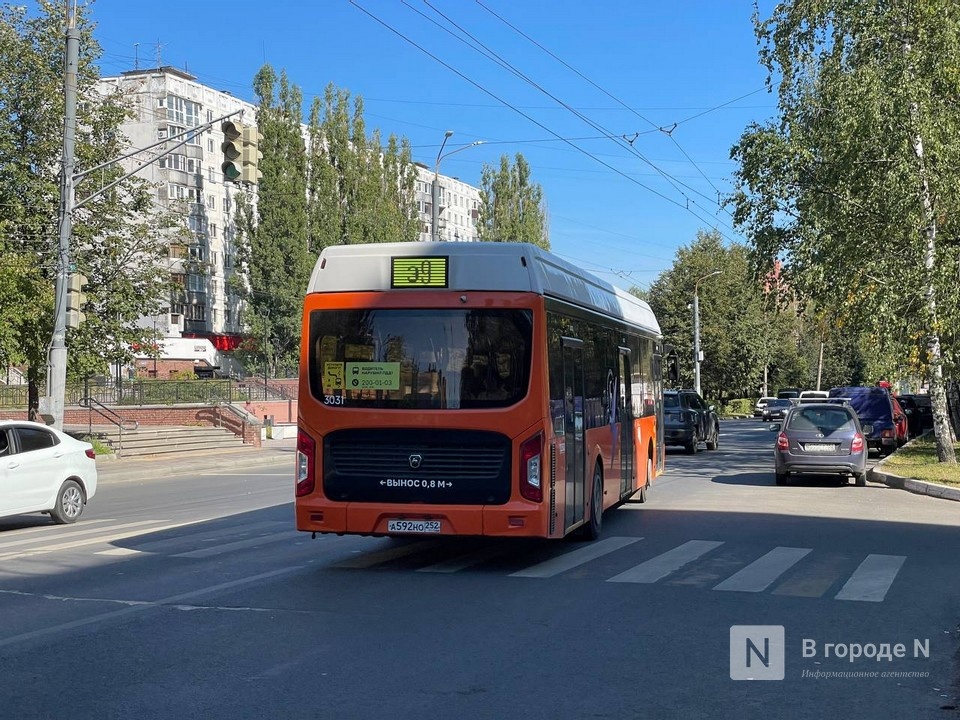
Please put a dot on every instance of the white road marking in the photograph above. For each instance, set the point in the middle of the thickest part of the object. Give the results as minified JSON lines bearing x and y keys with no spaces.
{"x":467,"y":560}
{"x":76,"y":532}
{"x":758,"y":575}
{"x":238,"y":545}
{"x":139,"y":606}
{"x":112,"y":536}
{"x":567,"y":561}
{"x":871,"y":581}
{"x":368,"y":560}
{"x":662,"y":565}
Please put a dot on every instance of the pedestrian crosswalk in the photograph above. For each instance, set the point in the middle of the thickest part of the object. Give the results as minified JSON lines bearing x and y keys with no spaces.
{"x":726,"y":566}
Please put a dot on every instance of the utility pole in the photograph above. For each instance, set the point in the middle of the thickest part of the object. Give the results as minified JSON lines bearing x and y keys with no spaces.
{"x":52,"y":404}
{"x":820,"y":366}
{"x":697,"y":355}
{"x":435,"y":191}
{"x":57,"y":363}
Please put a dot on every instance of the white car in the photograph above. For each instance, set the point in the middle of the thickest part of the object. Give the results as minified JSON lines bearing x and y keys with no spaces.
{"x":761,"y":404}
{"x":44,"y":470}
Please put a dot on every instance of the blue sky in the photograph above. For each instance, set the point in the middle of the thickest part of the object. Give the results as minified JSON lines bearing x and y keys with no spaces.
{"x":631,"y":69}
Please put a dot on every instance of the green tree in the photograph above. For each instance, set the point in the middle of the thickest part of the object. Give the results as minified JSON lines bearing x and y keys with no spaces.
{"x":273,"y":236}
{"x":117,"y":241}
{"x":857,"y":183}
{"x":735,"y":328}
{"x":358,"y":190}
{"x":512,"y":208}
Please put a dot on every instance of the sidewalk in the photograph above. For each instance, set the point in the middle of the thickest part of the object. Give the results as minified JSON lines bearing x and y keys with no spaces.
{"x":119,"y":469}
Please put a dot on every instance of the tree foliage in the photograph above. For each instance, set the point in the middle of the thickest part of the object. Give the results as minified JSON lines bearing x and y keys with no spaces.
{"x":115,"y":240}
{"x":273,"y":237}
{"x":855,"y":186}
{"x":334,"y":186}
{"x":512,"y":207}
{"x":358,"y":190}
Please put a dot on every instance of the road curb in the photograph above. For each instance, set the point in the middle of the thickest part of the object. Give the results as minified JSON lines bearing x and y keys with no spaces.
{"x":918,"y":487}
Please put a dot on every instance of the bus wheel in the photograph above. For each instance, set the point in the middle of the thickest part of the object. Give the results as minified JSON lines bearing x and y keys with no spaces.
{"x":641,"y":496}
{"x":591,"y":530}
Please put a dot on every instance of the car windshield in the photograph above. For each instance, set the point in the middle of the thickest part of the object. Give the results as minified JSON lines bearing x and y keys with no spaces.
{"x":779,"y":403}
{"x":822,"y":420}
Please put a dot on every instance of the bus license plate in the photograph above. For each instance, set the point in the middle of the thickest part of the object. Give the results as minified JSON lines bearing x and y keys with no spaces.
{"x":413,"y":526}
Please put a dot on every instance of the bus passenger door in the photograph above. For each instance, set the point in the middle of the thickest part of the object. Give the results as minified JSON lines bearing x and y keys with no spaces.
{"x":573,"y":431}
{"x":625,"y":418}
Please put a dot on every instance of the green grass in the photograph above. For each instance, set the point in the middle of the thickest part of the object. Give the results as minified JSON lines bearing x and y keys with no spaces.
{"x":918,"y":460}
{"x":100,"y":447}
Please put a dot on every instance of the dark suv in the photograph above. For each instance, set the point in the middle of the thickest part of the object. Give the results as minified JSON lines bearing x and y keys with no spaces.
{"x":689,"y":421}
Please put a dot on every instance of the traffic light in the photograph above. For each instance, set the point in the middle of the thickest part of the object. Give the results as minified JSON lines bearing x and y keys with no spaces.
{"x":75,"y":299}
{"x":250,"y":172}
{"x":232,"y":148}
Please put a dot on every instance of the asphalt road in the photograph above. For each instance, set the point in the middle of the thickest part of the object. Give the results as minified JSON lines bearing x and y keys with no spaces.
{"x":194,"y":597}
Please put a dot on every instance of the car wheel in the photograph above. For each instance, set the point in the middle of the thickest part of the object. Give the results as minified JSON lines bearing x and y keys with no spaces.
{"x":714,"y":441}
{"x":69,"y":503}
{"x":692,"y":447}
{"x":591,"y":530}
{"x":781,"y":478}
{"x":861,"y":479}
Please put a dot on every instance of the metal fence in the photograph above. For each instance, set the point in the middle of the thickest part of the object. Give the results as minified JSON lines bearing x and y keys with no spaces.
{"x":155,"y":392}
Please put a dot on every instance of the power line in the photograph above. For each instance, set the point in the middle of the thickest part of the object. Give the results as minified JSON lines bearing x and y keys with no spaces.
{"x":536,"y":122}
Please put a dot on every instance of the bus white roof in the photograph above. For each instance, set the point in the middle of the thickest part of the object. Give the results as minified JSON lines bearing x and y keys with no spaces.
{"x":488,"y":266}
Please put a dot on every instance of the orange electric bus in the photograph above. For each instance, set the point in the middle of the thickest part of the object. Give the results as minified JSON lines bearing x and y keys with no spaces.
{"x":472,"y":389}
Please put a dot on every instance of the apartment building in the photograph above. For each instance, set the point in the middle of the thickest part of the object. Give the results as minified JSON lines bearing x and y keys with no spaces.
{"x":166,"y":102}
{"x":459,"y":204}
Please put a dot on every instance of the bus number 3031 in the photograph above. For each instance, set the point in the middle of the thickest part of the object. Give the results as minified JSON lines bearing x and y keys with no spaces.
{"x":333,"y":399}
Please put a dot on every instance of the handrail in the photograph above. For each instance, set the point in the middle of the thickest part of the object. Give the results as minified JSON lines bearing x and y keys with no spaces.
{"x":108,"y":414}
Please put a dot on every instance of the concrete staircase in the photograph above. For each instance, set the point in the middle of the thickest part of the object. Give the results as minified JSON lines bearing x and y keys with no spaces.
{"x":161,"y":440}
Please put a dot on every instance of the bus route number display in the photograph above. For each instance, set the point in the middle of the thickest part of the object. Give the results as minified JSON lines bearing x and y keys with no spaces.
{"x":418,"y":272}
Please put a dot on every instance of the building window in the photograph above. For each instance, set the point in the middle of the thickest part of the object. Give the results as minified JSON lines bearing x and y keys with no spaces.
{"x":212,"y":202}
{"x":213,"y":230}
{"x":182,"y":111}
{"x":210,"y":145}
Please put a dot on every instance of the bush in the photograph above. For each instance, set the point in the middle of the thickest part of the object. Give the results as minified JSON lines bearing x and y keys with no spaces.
{"x":738,"y":406}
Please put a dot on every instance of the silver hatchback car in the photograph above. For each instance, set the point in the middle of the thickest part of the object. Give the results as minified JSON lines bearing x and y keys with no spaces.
{"x":820,"y":438}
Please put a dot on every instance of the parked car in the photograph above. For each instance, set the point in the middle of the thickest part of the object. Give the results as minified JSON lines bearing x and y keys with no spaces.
{"x":883,"y":421}
{"x":777,"y":409}
{"x":919,"y":413}
{"x":788,"y":393}
{"x":688,"y":420}
{"x":761,"y":404}
{"x":819,"y":439}
{"x":44,"y":470}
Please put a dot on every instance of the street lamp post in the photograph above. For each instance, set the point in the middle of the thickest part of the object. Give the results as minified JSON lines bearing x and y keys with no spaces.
{"x":696,"y":330}
{"x":435,"y":188}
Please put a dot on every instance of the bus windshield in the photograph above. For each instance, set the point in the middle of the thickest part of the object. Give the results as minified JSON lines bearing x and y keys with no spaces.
{"x":420,"y":359}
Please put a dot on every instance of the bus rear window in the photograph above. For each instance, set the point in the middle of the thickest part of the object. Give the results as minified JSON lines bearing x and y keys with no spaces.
{"x":420,"y":359}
